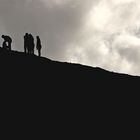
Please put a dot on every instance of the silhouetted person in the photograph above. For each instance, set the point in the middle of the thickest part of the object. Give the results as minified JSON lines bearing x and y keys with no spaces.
{"x":7,"y":42}
{"x":38,"y":45}
{"x":26,"y":42}
{"x":31,"y":44}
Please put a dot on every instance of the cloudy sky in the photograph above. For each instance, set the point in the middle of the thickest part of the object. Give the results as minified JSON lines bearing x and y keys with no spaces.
{"x":99,"y":33}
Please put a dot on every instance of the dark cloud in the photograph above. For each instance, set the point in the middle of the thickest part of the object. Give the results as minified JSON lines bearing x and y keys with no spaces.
{"x":56,"y":23}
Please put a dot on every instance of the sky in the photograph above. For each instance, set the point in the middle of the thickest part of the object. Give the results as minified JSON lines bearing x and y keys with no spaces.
{"x":98,"y":33}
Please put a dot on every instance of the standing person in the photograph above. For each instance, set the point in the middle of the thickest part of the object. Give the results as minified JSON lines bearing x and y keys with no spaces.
{"x":31,"y":44}
{"x":7,"y":42}
{"x":38,"y":45}
{"x":26,"y":42}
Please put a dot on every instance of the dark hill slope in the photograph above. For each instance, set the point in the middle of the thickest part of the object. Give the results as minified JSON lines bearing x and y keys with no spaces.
{"x":29,"y":72}
{"x":30,"y":76}
{"x":64,"y":100}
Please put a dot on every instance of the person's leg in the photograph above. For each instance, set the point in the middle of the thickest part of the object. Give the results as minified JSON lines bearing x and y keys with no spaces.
{"x":4,"y":45}
{"x":33,"y":50}
{"x":10,"y":46}
{"x":39,"y":52}
{"x":25,"y":49}
{"x":28,"y":50}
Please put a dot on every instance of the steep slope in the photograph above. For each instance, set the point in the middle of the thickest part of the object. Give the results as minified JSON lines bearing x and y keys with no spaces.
{"x":68,"y":99}
{"x":30,"y":72}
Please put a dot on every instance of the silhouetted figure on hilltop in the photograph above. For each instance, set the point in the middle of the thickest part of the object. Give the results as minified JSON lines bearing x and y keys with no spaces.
{"x":7,"y":42}
{"x":26,"y":42}
{"x":38,"y":45}
{"x":31,"y":44}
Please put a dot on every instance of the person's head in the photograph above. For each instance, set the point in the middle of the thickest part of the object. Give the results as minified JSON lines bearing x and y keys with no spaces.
{"x":2,"y":36}
{"x":30,"y":35}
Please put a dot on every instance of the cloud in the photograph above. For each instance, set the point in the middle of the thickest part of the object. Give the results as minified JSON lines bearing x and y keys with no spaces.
{"x":109,"y":38}
{"x":56,"y":21}
{"x":104,"y":33}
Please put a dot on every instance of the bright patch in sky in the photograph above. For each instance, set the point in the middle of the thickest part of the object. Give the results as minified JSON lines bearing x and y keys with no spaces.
{"x":110,"y":37}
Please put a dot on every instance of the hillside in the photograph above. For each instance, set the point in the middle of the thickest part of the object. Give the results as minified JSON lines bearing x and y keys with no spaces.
{"x":35,"y":73}
{"x":66,"y":98}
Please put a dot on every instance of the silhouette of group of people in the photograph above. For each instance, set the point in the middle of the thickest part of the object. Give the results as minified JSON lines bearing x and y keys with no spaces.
{"x":29,"y":44}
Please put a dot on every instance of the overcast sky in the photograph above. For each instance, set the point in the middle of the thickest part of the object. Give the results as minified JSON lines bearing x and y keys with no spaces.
{"x":99,"y":33}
